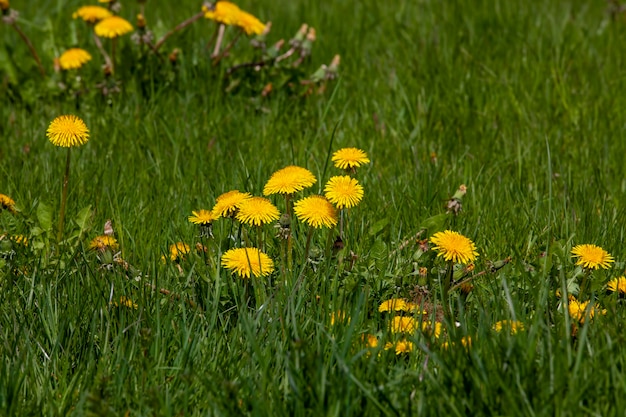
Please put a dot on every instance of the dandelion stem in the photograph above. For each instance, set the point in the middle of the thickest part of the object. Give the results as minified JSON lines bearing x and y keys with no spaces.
{"x":180,"y":26}
{"x":308,"y":244}
{"x":228,"y":47}
{"x":113,"y":42}
{"x":107,"y":59}
{"x":445,"y":289}
{"x":220,"y":37}
{"x":66,"y":179}
{"x":28,"y":43}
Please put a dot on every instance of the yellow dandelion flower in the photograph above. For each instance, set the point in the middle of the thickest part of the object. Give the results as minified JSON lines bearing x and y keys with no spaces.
{"x":394,"y":304}
{"x":370,"y":340}
{"x":257,"y":211}
{"x":350,"y":158}
{"x":4,"y":5}
{"x":248,"y":261}
{"x":400,"y":347}
{"x":581,"y":310}
{"x":178,"y":251}
{"x":223,"y":12}
{"x":316,"y":211}
{"x":104,"y":242}
{"x":289,"y":180}
{"x":7,"y":203}
{"x":429,"y":329}
{"x":92,"y":14}
{"x":592,"y":257}
{"x":227,"y":204}
{"x":513,"y":326}
{"x":125,"y":302}
{"x":343,"y":191}
{"x":338,"y":316}
{"x":400,"y":324}
{"x":74,"y":58}
{"x":250,"y":24}
{"x":454,"y":247}
{"x":617,"y":285}
{"x":68,"y":131}
{"x":112,"y":27}
{"x":202,"y":217}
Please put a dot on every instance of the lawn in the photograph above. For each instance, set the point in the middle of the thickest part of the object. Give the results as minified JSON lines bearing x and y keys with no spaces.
{"x":500,"y":121}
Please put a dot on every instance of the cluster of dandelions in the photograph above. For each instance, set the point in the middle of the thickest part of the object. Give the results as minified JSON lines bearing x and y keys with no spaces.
{"x":256,"y":212}
{"x":106,"y":23}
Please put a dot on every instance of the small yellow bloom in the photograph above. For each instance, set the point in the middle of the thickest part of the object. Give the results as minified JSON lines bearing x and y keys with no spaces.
{"x":68,"y":131}
{"x":202,"y":217}
{"x":4,"y":5}
{"x":248,"y":261}
{"x":400,"y":324}
{"x":74,"y":58}
{"x":370,"y":340}
{"x":581,"y":310}
{"x":350,"y":158}
{"x":316,"y":211}
{"x":92,"y":14}
{"x":223,"y":12}
{"x":227,"y":204}
{"x":513,"y":326}
{"x":454,"y":247}
{"x":104,"y":242}
{"x":338,"y":316}
{"x":125,"y":302}
{"x":394,"y":304}
{"x":112,"y":27}
{"x":7,"y":203}
{"x":401,"y":346}
{"x":592,"y":256}
{"x":617,"y":285}
{"x":20,"y":239}
{"x":178,"y":251}
{"x":257,"y":211}
{"x":250,"y":24}
{"x":343,"y":191}
{"x":289,"y":180}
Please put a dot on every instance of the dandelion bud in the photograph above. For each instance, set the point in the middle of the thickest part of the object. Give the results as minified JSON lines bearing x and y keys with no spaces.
{"x":173,"y":57}
{"x":141,"y":21}
{"x":4,"y":5}
{"x":455,"y":205}
{"x":299,"y":36}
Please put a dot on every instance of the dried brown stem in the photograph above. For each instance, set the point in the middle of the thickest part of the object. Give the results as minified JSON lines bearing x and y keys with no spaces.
{"x":30,"y":47}
{"x":177,"y":28}
{"x":107,"y":58}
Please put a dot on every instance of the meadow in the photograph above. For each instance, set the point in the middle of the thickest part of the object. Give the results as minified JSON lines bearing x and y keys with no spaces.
{"x":502,"y":121}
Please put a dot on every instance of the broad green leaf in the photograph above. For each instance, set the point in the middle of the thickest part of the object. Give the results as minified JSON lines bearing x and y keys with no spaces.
{"x":44,"y":215}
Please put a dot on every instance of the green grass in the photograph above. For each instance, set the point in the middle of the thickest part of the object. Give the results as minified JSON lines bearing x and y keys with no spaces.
{"x":520,"y":101}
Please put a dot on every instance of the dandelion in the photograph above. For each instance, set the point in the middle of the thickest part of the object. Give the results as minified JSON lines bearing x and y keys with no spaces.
{"x":512,"y":326}
{"x":393,"y":304}
{"x":68,"y":131}
{"x":125,"y":302}
{"x":20,"y":239}
{"x":92,"y":14}
{"x":289,"y":180}
{"x":316,"y":211}
{"x":112,"y":27}
{"x":592,"y":257}
{"x":617,"y":285}
{"x":74,"y":58}
{"x":370,"y":340}
{"x":400,"y":324}
{"x":581,"y":310}
{"x":250,"y":24}
{"x":454,"y":247}
{"x":7,"y":203}
{"x":257,"y":211}
{"x":227,"y":204}
{"x":350,"y":158}
{"x":343,"y":191}
{"x":401,"y":346}
{"x":202,"y":217}
{"x":223,"y":12}
{"x":248,"y":261}
{"x":104,"y":242}
{"x":339,"y":316}
{"x":178,"y":251}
